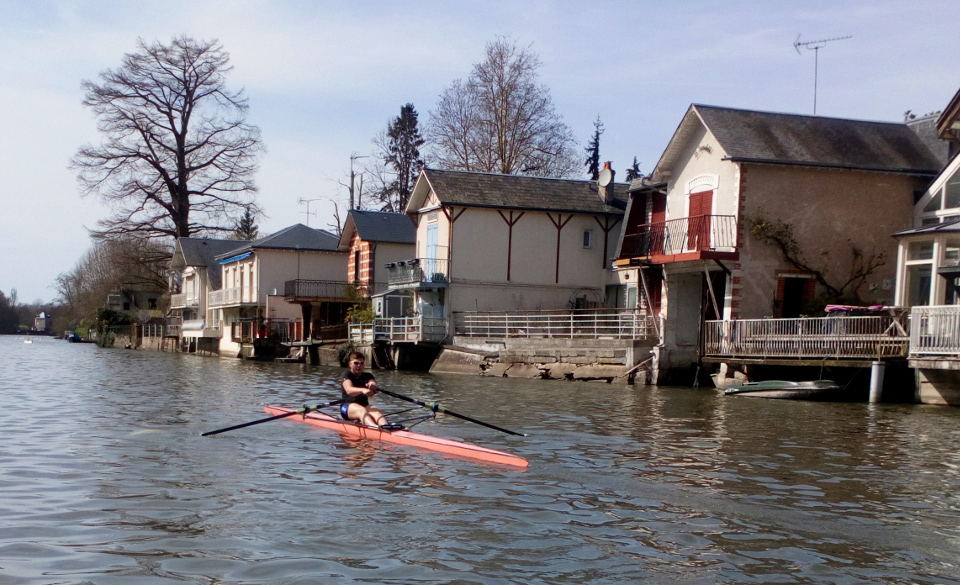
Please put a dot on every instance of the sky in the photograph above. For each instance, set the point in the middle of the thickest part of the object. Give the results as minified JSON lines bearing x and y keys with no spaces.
{"x":323,"y":78}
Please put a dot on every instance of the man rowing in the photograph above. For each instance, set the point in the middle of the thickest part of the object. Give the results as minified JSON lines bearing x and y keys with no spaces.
{"x":360,"y":386}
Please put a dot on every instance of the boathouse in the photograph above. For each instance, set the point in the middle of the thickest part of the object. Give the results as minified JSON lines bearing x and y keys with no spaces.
{"x":756,"y":215}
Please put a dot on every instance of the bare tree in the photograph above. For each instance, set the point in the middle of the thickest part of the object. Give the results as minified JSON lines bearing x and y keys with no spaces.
{"x":502,"y":119}
{"x":123,"y":263}
{"x":178,"y":156}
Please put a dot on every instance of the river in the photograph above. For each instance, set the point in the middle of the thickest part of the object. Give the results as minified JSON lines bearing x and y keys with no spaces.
{"x":104,"y":478}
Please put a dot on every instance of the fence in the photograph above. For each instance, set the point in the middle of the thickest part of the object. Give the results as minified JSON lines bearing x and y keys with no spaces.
{"x":589,"y":324}
{"x":410,"y":329}
{"x":935,"y":330}
{"x":361,"y":332}
{"x":816,"y":337}
{"x":328,"y":289}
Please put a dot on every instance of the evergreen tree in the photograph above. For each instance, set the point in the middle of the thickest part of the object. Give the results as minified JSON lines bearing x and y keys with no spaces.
{"x":245,"y":228}
{"x":634,"y":171}
{"x":404,"y":142}
{"x":593,"y":151}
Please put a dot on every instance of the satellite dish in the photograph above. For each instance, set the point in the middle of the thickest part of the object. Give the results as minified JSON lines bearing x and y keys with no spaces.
{"x":604,"y":178}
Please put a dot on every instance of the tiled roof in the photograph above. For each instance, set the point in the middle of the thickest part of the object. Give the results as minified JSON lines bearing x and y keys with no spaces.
{"x":378,"y":226}
{"x":295,"y":237}
{"x":751,"y":136}
{"x":492,"y":190}
{"x":202,"y":253}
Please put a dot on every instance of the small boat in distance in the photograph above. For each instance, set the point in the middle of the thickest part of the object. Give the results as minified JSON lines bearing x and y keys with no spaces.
{"x":811,"y":390}
{"x":403,"y":437}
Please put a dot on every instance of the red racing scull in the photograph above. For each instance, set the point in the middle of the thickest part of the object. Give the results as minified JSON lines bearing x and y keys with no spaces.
{"x":402,"y":437}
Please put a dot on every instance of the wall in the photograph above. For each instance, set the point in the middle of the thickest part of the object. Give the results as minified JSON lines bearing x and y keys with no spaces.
{"x":828,"y":210}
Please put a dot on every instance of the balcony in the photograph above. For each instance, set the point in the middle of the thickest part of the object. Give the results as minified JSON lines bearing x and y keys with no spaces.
{"x":328,"y":290}
{"x":410,"y":329}
{"x":414,"y":273}
{"x":935,"y":332}
{"x":230,"y":297}
{"x":819,"y":338}
{"x":700,"y":237}
{"x":184,"y":301}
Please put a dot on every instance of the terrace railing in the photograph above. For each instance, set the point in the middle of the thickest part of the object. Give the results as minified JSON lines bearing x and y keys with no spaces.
{"x":414,"y":329}
{"x":585,"y":324}
{"x":935,"y":330}
{"x":816,"y":337}
{"x":432,"y":270}
{"x":698,"y":233}
{"x":226,"y":296}
{"x":340,"y":290}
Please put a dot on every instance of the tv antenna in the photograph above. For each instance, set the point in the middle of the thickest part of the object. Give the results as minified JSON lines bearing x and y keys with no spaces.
{"x":815,"y":46}
{"x":301,"y":201}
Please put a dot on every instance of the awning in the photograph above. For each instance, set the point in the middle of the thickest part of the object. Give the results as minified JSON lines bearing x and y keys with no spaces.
{"x":235,"y":258}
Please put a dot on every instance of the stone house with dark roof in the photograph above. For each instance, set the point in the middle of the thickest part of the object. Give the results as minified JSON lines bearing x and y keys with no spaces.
{"x":492,"y":242}
{"x":834,"y":188}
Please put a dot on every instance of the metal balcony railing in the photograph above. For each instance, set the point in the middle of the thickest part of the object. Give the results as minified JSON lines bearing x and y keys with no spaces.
{"x":432,"y":270}
{"x":585,"y":324}
{"x":816,"y":337}
{"x":699,"y":233}
{"x":935,"y":330}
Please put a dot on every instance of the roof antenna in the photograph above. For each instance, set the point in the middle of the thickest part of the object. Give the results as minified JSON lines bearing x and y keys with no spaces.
{"x":815,"y":46}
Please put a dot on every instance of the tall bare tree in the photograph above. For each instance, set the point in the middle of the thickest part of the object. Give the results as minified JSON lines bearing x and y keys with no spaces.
{"x":177,"y":156}
{"x":502,"y":119}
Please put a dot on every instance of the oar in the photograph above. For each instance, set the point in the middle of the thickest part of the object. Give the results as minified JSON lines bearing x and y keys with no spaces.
{"x":435,"y":407}
{"x":303,"y":410}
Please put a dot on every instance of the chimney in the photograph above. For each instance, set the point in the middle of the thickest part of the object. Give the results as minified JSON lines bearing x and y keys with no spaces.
{"x":605,"y":184}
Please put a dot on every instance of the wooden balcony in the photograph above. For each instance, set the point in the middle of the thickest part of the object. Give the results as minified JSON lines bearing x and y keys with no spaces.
{"x":817,"y":338}
{"x":184,"y":301}
{"x":700,"y":237}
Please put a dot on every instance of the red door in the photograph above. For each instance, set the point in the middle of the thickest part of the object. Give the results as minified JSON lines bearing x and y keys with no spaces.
{"x":698,"y":226}
{"x":658,"y":223}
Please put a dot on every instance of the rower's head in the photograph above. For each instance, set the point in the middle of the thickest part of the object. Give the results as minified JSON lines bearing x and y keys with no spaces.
{"x":356,"y":361}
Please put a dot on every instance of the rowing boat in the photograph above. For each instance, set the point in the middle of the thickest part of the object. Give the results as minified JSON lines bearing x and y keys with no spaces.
{"x":402,"y":437}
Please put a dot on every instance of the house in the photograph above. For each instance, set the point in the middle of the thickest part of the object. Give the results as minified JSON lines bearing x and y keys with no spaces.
{"x":492,"y":242}
{"x":928,"y":274}
{"x":195,"y":272}
{"x":286,"y":286}
{"x":753,"y":214}
{"x":372,"y":240}
{"x":42,"y":322}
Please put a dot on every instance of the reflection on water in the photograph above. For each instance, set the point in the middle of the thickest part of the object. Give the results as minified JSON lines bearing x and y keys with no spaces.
{"x":105,"y":479}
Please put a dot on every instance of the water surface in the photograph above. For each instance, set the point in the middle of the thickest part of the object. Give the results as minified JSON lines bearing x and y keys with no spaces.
{"x":105,"y":479}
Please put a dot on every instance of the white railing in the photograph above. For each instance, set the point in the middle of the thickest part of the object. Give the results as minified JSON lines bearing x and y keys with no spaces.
{"x":816,"y":337}
{"x":935,"y":330}
{"x":410,"y":329}
{"x":361,"y":332}
{"x":226,"y":296}
{"x":587,"y":324}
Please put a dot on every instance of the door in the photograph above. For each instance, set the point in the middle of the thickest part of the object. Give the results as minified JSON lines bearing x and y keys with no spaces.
{"x":698,"y":221}
{"x":430,"y":263}
{"x":658,"y":224}
{"x":793,"y":296}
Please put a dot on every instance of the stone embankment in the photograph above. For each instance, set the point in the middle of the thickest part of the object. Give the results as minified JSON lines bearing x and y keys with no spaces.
{"x":551,"y":359}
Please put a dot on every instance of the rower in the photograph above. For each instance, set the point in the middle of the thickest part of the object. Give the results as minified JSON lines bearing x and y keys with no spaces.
{"x":358,"y":387}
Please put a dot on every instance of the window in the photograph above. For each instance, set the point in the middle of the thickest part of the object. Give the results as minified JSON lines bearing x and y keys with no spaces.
{"x":920,"y":251}
{"x":587,"y":239}
{"x":919,"y":278}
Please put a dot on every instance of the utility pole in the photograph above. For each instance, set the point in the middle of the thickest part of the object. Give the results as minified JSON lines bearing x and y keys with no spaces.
{"x":815,"y":46}
{"x":354,"y":157}
{"x":308,"y":202}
